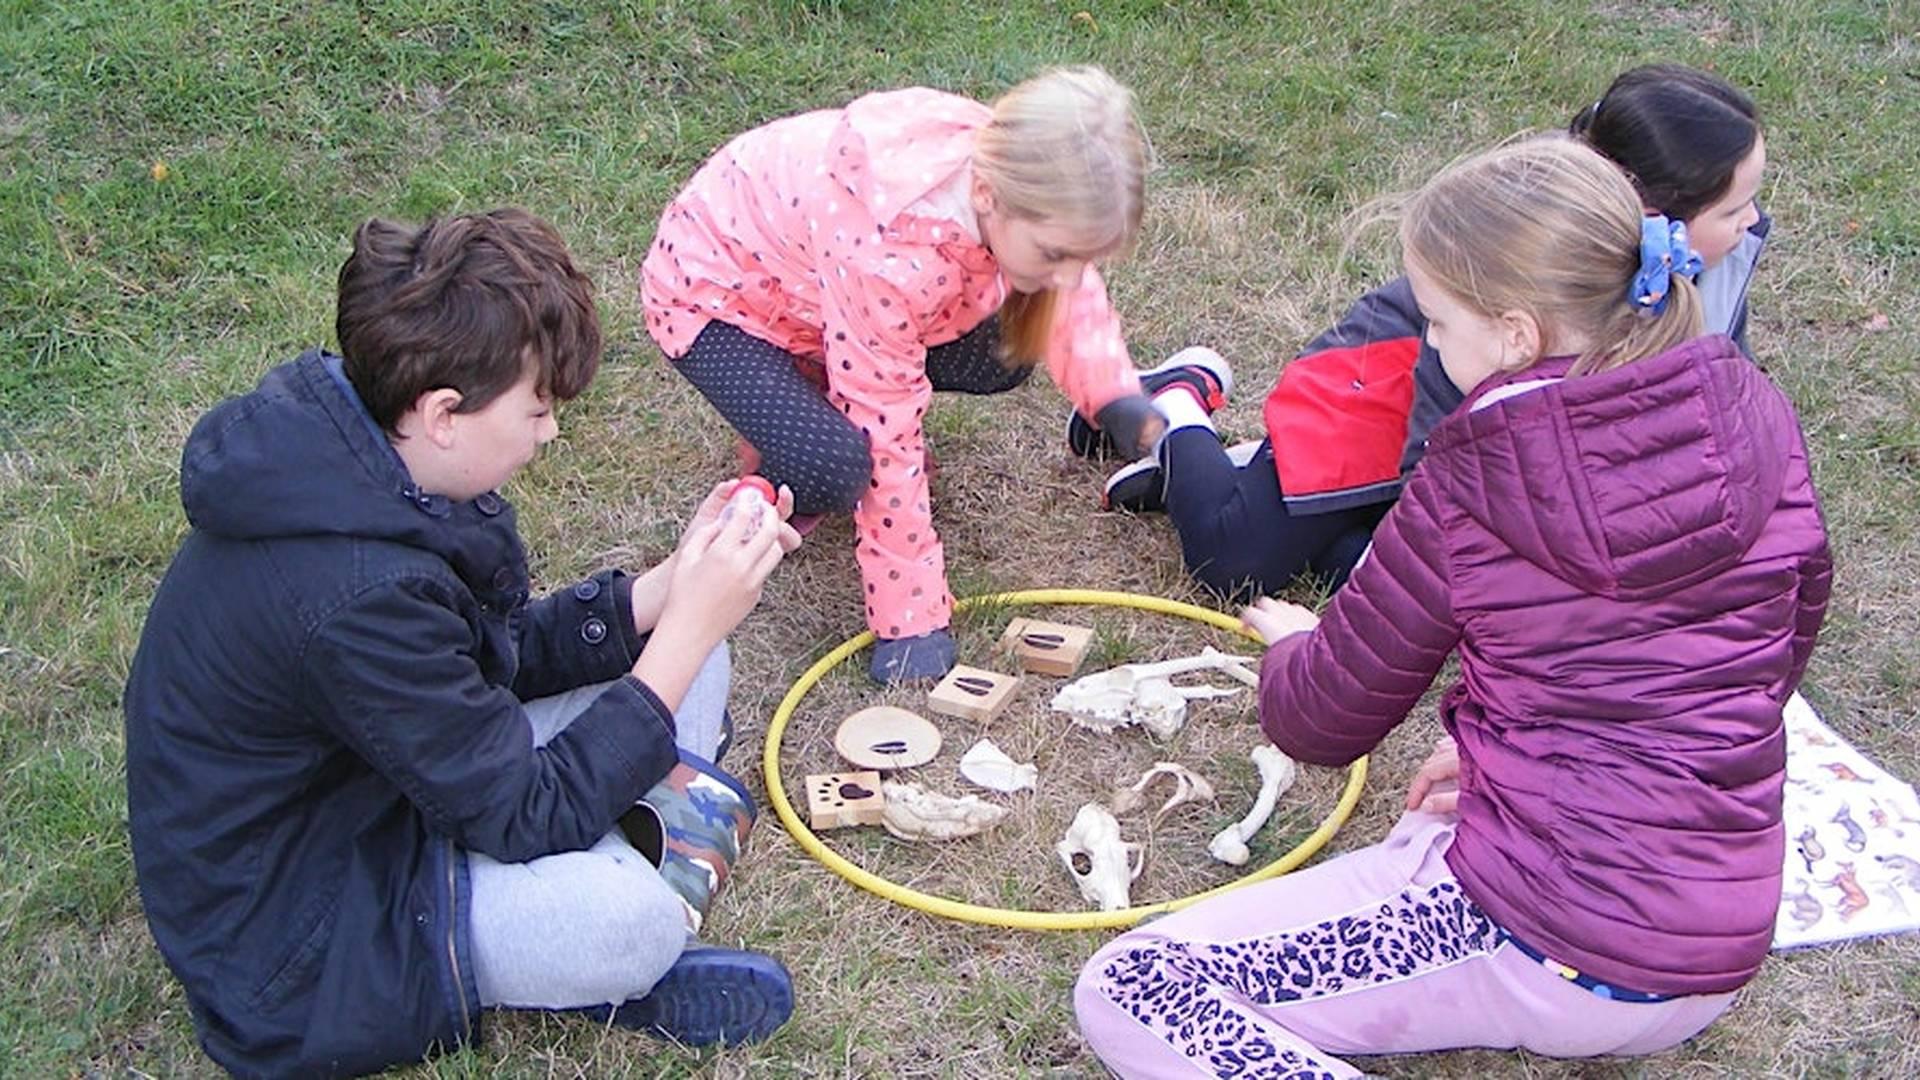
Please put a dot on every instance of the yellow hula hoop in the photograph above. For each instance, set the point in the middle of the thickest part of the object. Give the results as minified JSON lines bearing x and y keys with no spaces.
{"x":1008,"y":917}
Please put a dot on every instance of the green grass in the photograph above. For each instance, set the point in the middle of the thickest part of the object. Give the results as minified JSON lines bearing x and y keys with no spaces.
{"x":129,"y":304}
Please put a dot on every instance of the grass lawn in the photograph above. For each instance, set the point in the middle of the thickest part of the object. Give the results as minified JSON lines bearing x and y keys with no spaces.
{"x":178,"y":180}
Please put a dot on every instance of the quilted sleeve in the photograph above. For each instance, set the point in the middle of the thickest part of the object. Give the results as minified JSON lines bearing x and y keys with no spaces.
{"x":1330,"y":696}
{"x":1086,"y":354}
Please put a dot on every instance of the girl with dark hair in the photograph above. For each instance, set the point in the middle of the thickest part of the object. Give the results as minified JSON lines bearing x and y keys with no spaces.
{"x":1349,"y":417}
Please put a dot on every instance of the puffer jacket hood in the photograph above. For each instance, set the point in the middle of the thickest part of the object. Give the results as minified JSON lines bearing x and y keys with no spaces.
{"x":300,"y":457}
{"x":1540,"y":472}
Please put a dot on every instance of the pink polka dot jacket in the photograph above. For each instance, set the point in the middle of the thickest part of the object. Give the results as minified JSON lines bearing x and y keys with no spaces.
{"x":838,"y":236}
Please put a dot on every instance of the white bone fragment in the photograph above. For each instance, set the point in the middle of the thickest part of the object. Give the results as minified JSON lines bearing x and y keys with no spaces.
{"x":987,"y":765}
{"x":1189,"y":786}
{"x":914,"y":813}
{"x":1144,"y":694}
{"x":1110,"y":863}
{"x":1277,"y":773}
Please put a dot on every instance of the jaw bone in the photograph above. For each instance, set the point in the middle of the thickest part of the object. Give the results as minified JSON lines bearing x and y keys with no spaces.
{"x":1102,"y":864}
{"x":1189,"y":786}
{"x":1144,"y":694}
{"x":914,"y":813}
{"x":1277,"y":773}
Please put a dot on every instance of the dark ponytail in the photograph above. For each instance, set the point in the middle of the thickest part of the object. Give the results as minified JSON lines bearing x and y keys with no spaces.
{"x":1678,"y":132}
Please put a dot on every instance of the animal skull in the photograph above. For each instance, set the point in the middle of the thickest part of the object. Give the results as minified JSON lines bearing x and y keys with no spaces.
{"x":1144,"y":694}
{"x":914,"y":813}
{"x":1103,"y":865}
{"x":1189,"y":786}
{"x":1277,"y":773}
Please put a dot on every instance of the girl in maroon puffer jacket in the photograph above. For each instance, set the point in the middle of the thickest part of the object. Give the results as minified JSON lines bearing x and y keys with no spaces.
{"x":1618,"y":534}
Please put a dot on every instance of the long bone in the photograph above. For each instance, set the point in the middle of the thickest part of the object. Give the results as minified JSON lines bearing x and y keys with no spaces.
{"x":1277,"y":773}
{"x":1144,"y":694}
{"x":1189,"y":786}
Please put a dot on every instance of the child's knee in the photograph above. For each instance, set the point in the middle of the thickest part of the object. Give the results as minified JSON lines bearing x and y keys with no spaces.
{"x":846,"y":472}
{"x":1009,"y":377}
{"x":642,"y":930}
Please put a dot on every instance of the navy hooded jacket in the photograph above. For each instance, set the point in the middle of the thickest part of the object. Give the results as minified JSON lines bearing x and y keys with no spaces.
{"x":324,"y":715}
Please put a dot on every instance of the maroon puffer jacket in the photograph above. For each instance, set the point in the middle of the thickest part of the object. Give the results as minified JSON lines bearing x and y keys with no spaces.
{"x":1633,"y":568}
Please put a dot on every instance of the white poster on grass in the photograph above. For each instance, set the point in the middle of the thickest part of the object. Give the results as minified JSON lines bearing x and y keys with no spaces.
{"x":1853,"y":841}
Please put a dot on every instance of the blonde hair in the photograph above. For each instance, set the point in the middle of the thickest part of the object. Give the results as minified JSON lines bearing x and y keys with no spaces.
{"x":1548,"y":227}
{"x":1063,"y":147}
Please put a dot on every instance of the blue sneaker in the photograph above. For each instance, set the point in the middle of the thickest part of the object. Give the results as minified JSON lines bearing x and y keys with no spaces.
{"x":712,"y":995}
{"x":1203,"y":371}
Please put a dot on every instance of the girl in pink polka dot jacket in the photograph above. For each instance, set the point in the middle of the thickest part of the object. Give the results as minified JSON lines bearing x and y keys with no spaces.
{"x":822,"y":275}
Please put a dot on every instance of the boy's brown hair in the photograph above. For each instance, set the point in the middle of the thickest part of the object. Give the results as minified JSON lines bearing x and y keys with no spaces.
{"x":472,"y":302}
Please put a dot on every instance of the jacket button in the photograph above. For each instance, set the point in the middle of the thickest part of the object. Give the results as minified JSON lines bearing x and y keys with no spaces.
{"x":586,"y":590}
{"x":502,"y":577}
{"x":488,"y":503}
{"x":593,"y":631}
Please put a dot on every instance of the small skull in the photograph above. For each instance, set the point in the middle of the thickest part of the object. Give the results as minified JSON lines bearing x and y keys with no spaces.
{"x":1102,"y":865}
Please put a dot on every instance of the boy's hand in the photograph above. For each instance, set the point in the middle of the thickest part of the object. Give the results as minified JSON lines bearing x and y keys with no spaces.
{"x":718,"y":573}
{"x":1274,"y":619}
{"x":716,"y":501}
{"x":716,"y":579}
{"x":1436,"y":785}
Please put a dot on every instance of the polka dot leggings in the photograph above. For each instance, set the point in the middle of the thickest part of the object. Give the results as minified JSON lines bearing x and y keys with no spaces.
{"x":804,"y":442}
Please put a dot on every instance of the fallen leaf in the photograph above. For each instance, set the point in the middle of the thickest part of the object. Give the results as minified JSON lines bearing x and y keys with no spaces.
{"x":160,"y":172}
{"x":1086,"y":17}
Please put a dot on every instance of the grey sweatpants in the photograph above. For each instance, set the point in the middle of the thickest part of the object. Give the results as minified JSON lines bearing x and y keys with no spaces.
{"x":591,"y":927}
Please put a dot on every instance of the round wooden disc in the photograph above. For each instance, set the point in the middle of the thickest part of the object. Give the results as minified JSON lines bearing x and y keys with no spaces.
{"x":887,"y":737}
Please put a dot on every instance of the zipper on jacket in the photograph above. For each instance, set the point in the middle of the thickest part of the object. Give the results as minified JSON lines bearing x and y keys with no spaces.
{"x":453,"y":954}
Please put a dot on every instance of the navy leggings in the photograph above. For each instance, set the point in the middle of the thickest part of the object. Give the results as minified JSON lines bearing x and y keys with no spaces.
{"x":804,"y":442}
{"x":1236,"y":536}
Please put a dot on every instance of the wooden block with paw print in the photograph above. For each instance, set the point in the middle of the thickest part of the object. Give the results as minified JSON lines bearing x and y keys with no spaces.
{"x":972,"y":693}
{"x":842,"y":800}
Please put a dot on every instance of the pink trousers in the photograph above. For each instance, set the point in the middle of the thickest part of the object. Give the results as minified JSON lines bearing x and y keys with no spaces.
{"x":1376,"y":952}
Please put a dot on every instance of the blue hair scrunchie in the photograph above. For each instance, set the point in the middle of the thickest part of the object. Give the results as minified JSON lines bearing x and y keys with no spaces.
{"x":1664,"y":252}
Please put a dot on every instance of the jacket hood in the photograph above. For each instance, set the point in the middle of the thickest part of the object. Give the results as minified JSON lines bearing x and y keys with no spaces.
{"x":300,"y":456}
{"x":1628,"y":483}
{"x":943,"y":127}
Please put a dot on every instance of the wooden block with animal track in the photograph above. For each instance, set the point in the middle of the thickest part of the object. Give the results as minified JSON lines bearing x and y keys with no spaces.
{"x":1049,"y":648}
{"x":842,"y":800}
{"x":972,"y":693}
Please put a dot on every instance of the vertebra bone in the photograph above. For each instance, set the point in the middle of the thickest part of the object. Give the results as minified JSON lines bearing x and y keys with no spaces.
{"x":1189,"y":786}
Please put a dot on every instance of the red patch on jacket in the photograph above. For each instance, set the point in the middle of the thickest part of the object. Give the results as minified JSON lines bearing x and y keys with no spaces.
{"x":1338,"y":418}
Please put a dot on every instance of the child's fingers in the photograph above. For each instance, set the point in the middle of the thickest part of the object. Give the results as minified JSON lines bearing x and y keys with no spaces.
{"x":783,"y":502}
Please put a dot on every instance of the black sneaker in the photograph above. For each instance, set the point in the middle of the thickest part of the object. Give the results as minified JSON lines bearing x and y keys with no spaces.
{"x":713,"y":995}
{"x":1138,"y":487}
{"x":1206,"y":371}
{"x":1141,"y":487}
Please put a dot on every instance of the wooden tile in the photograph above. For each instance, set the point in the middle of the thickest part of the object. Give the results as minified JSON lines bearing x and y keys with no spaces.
{"x":886,"y":737}
{"x":1050,"y":648}
{"x":972,"y":693}
{"x":840,"y":800}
